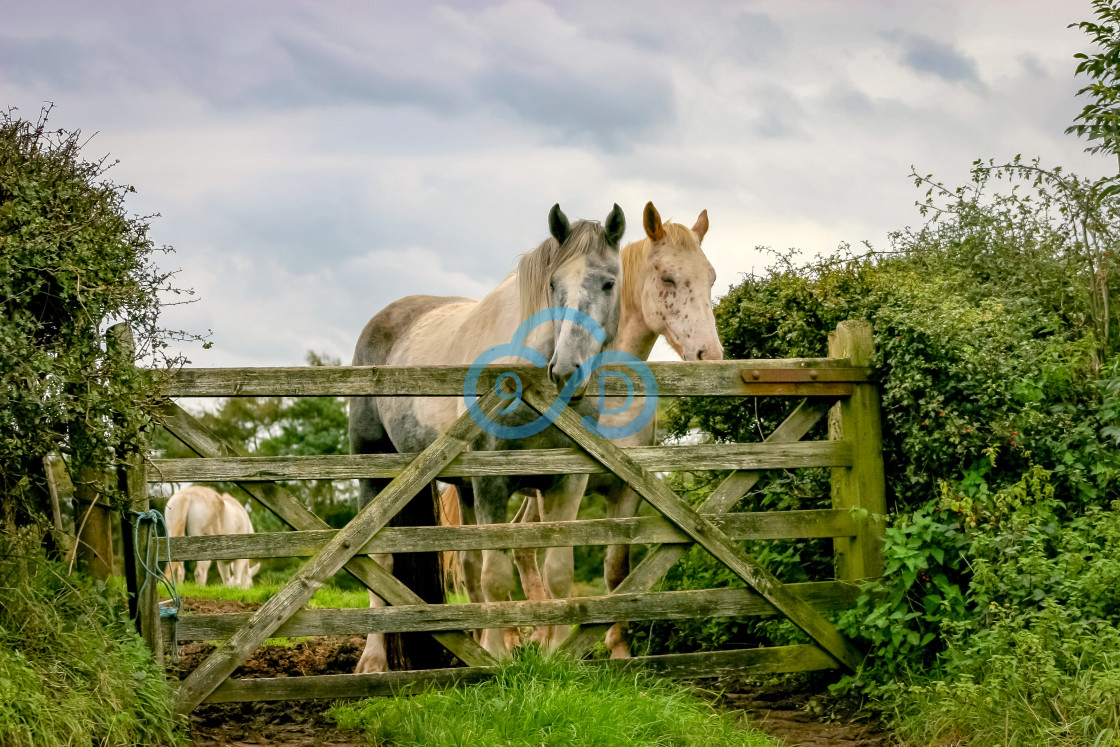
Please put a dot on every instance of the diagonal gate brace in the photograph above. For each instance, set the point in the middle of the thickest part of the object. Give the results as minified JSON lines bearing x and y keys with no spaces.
{"x":704,"y":533}
{"x":289,"y":509}
{"x":660,"y":559}
{"x":334,"y":555}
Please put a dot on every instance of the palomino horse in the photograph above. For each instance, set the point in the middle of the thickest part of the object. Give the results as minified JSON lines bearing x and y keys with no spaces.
{"x":577,"y":268}
{"x":666,"y":290}
{"x":200,"y":511}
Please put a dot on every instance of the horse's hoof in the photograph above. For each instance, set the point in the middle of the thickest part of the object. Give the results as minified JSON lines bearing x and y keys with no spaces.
{"x":371,"y":665}
{"x":541,"y":636}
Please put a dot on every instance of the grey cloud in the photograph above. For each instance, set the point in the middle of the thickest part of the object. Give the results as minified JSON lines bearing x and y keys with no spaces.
{"x":593,"y":93}
{"x":589,"y":95}
{"x":926,"y":55}
{"x":1033,"y":67}
{"x":60,"y":62}
{"x":780,"y":114}
{"x":755,"y":38}
{"x":609,"y":111}
{"x":314,"y":70}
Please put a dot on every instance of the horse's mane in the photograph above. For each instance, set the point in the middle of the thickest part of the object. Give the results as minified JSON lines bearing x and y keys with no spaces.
{"x":536,"y":267}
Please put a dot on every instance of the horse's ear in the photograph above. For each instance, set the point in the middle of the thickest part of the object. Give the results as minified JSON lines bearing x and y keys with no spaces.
{"x":616,"y":225}
{"x":558,"y":224}
{"x":701,"y":226}
{"x":651,"y":220}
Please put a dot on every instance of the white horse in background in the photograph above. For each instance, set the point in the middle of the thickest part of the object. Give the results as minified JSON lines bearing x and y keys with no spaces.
{"x":198,"y":511}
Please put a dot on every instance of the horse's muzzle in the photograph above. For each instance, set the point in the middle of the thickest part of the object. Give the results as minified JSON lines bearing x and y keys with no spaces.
{"x":560,"y":376}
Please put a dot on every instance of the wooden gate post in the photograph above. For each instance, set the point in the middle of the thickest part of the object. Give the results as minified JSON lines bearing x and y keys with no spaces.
{"x":862,"y":486}
{"x":143,"y":592}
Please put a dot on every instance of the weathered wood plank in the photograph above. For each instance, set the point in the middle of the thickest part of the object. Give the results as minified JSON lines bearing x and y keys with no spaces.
{"x":809,"y":524}
{"x":702,"y":531}
{"x":776,"y":660}
{"x":305,"y":582}
{"x":483,"y":463}
{"x":665,"y":605}
{"x":744,"y":662}
{"x":862,"y":486}
{"x":143,"y":591}
{"x":713,"y":378}
{"x":334,"y":686}
{"x":287,"y":507}
{"x":659,"y":560}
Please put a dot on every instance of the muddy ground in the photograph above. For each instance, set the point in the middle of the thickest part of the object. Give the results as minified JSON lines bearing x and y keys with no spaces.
{"x":800,"y":712}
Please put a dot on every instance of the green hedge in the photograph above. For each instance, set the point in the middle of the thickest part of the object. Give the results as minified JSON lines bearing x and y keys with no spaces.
{"x":73,"y":671}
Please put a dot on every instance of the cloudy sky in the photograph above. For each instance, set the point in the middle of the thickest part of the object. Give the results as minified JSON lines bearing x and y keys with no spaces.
{"x":313,"y":161}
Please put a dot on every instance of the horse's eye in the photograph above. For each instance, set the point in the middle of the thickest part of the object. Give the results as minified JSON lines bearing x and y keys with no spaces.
{"x":668,"y":280}
{"x":608,"y":286}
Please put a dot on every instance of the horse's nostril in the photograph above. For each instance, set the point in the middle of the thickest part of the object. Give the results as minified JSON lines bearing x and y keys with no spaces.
{"x":700,"y":354}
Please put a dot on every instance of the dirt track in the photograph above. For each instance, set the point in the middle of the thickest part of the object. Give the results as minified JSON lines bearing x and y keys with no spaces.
{"x":806,"y":716}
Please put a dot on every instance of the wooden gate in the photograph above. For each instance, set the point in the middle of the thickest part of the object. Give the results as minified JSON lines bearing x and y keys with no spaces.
{"x":837,"y":386}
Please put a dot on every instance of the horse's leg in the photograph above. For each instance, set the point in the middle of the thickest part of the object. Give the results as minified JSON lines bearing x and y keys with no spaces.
{"x":201,"y":571}
{"x":622,"y":502}
{"x":532,"y":581}
{"x":470,"y":560}
{"x":560,"y":502}
{"x":374,"y":657}
{"x":237,"y":571}
{"x":491,"y":495}
{"x":224,"y":568}
{"x":368,"y":436}
{"x":176,"y":572}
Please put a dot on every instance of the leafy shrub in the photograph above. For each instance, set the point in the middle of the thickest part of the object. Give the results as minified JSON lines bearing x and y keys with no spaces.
{"x":1037,"y":659}
{"x":996,"y":340}
{"x":71,"y":262}
{"x":73,"y":671}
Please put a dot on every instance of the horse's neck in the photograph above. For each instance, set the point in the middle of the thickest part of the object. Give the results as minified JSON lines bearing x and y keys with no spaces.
{"x":634,"y":335}
{"x":495,"y":318}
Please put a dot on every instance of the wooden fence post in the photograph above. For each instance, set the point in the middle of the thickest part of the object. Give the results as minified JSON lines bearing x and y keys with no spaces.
{"x":93,"y":523}
{"x":861,"y":487}
{"x":132,"y":481}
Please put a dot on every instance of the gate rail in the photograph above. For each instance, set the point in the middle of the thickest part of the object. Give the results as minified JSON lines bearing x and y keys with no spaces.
{"x":838,"y":387}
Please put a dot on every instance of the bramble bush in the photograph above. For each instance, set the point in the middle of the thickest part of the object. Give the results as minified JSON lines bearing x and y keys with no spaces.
{"x":72,"y":261}
{"x":996,"y":342}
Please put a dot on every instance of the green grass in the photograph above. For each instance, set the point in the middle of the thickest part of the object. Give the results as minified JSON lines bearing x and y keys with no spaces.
{"x":325,"y":597}
{"x":73,"y":671}
{"x":535,"y":701}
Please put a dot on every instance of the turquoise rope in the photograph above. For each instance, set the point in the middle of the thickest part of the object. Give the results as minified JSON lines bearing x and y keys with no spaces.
{"x":150,"y":564}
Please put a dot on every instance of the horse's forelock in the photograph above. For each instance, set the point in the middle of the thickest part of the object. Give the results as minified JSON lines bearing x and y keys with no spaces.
{"x":680,"y":236}
{"x":535,"y":268}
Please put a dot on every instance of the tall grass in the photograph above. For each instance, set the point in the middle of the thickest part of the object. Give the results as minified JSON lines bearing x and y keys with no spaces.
{"x":535,"y":701}
{"x":72,"y":669}
{"x":325,"y":597}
